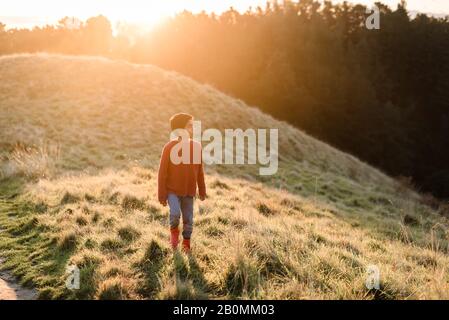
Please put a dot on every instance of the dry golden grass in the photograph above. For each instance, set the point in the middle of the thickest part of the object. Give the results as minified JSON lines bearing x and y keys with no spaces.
{"x":80,"y":143}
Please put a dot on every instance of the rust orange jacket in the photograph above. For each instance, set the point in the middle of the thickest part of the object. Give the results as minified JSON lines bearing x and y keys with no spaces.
{"x":181,"y":179}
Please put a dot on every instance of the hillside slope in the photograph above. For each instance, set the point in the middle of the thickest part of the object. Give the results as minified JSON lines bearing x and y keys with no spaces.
{"x":80,"y":143}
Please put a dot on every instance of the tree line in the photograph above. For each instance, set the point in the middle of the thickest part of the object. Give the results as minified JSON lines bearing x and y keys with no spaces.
{"x":382,"y":95}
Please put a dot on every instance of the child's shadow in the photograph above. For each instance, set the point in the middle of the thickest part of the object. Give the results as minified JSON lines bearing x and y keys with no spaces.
{"x":189,"y":271}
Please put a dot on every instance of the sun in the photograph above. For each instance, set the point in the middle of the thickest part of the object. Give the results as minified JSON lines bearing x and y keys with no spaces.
{"x":146,"y":14}
{"x":150,"y":13}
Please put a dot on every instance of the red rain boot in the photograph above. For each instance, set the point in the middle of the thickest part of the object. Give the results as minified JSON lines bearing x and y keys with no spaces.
{"x":174,"y":238}
{"x":186,"y":245}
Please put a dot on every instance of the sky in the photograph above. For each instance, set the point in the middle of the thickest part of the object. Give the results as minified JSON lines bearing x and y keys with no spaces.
{"x":28,"y":13}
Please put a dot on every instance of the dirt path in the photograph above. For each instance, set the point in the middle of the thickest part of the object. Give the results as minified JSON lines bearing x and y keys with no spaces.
{"x":11,"y":290}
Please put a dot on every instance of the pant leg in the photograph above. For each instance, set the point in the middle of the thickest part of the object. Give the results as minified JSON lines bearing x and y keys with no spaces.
{"x":175,"y":210}
{"x":187,"y":216}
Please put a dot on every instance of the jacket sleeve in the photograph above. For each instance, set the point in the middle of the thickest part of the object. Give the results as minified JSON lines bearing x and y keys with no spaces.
{"x":162,"y":175}
{"x":200,"y":180}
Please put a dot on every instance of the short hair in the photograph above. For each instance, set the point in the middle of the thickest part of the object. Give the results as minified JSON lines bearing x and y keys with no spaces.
{"x":179,"y":120}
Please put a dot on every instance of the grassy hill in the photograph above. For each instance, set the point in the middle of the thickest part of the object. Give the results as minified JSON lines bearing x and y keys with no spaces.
{"x":79,"y":147}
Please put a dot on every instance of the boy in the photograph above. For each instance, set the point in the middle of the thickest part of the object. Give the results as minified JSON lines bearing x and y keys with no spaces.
{"x":177,"y":182}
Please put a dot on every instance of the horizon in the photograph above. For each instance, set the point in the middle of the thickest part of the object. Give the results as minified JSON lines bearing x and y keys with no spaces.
{"x":23,"y":14}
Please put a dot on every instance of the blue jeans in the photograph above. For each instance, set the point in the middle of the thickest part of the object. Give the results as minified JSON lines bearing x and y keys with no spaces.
{"x":181,"y":205}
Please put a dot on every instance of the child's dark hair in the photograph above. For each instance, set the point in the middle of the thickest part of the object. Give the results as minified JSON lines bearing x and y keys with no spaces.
{"x":179,"y":120}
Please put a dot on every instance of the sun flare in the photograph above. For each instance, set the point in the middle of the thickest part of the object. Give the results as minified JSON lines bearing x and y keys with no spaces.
{"x":27,"y":13}
{"x":147,"y":14}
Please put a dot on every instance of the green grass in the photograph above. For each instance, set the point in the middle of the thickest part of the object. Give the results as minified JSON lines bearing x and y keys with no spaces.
{"x":78,"y":186}
{"x":26,"y":245}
